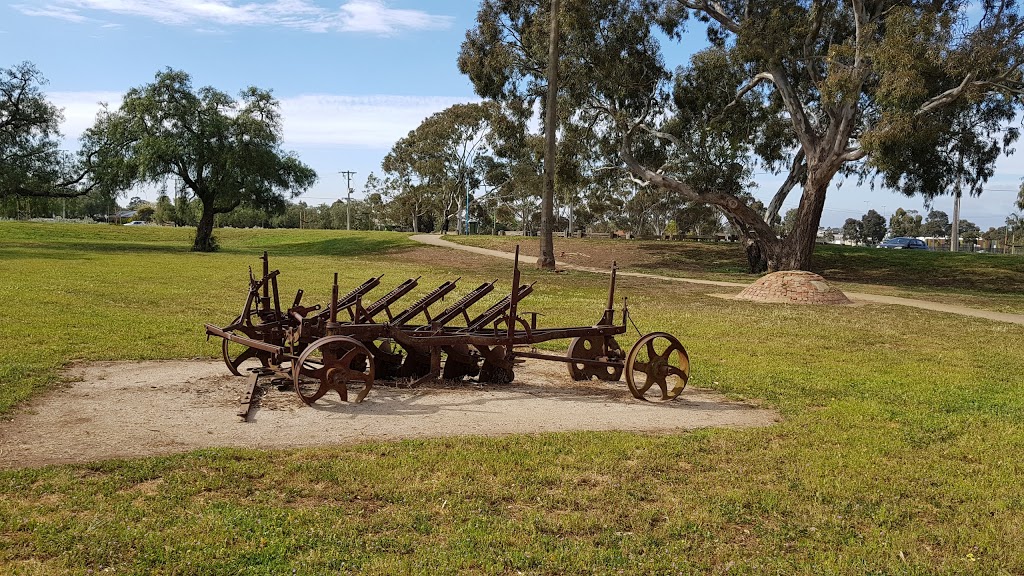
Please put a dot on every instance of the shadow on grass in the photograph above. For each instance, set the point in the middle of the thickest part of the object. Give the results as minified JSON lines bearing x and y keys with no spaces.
{"x":983,"y":273}
{"x":81,"y":250}
{"x":697,"y":257}
{"x":342,"y":247}
{"x":74,"y":250}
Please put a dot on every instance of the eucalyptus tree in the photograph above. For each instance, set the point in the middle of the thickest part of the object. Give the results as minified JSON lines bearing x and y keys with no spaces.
{"x":914,"y":95}
{"x":225,"y":152}
{"x":905,"y":223}
{"x":442,"y":154}
{"x":510,"y":52}
{"x":936,"y":224}
{"x":872,"y":227}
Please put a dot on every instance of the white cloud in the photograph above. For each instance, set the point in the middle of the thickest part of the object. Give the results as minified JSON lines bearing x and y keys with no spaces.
{"x":52,"y":11}
{"x":80,"y":109}
{"x":316,"y":120}
{"x":366,"y":16}
{"x":364,"y":121}
{"x":374,"y":17}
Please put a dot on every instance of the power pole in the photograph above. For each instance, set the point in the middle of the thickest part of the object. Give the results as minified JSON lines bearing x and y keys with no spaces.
{"x":348,"y":174}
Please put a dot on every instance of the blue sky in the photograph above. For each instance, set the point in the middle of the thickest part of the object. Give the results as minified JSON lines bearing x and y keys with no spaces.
{"x":352,"y":76}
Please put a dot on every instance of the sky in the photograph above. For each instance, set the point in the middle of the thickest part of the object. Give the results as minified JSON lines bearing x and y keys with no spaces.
{"x":352,"y":77}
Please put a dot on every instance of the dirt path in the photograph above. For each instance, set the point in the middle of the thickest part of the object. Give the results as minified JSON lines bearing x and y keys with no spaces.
{"x":435,"y":240}
{"x":126,"y":410}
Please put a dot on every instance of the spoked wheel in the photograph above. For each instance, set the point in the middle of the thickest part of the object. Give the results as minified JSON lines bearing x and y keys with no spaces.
{"x":332,"y":363}
{"x":239,"y":357}
{"x":590,"y":348}
{"x":657,"y":359}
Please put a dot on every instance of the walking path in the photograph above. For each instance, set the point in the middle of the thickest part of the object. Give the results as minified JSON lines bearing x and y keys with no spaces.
{"x":435,"y":240}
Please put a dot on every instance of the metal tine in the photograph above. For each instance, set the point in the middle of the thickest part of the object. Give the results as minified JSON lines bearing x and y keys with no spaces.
{"x":422,"y":304}
{"x":350,"y":298}
{"x":459,"y":307}
{"x":387,"y":300}
{"x":498,"y":309}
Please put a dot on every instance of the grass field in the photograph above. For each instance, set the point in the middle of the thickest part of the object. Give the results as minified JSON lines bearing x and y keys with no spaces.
{"x":991,"y":281}
{"x":899,"y":451}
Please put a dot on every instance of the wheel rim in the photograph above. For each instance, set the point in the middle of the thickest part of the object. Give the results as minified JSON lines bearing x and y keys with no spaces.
{"x":332,"y":363}
{"x":590,"y":348}
{"x":657,"y":362}
{"x":238,"y":357}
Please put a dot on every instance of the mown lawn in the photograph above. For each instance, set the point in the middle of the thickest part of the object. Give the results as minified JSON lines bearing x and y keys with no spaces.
{"x":899,"y":451}
{"x":991,"y":281}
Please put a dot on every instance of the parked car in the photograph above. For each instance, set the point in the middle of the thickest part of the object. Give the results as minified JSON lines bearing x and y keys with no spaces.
{"x":901,"y":243}
{"x":135,"y":223}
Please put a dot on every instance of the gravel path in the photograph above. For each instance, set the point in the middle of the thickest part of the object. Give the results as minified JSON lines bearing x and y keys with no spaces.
{"x":128,"y":410}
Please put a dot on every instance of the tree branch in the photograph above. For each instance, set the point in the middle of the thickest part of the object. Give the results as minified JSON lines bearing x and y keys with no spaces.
{"x":946,"y":97}
{"x":797,"y":174}
{"x":762,"y":77}
{"x":751,"y":220}
{"x":801,"y":124}
{"x":716,"y":12}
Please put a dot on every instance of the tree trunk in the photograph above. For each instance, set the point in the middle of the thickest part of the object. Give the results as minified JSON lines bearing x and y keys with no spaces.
{"x":954,"y":233}
{"x":204,"y":241}
{"x":547,"y":242}
{"x":798,"y":246}
{"x":756,"y":258}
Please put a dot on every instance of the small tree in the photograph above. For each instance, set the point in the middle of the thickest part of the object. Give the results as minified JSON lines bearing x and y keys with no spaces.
{"x":969,"y":231}
{"x":904,"y":223}
{"x":873,"y":227}
{"x":224,"y":152}
{"x":853,"y":229}
{"x":936,"y":225}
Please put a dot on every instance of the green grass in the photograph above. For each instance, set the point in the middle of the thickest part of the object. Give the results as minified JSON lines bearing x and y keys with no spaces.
{"x":898,"y":453}
{"x":992,"y":281}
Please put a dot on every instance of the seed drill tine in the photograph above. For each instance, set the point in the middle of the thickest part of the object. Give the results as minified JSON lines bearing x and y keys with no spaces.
{"x":349,"y":299}
{"x":513,"y":301}
{"x":499,"y":308}
{"x":265,"y":300}
{"x":424,"y":303}
{"x":609,"y":312}
{"x":384,"y":303}
{"x":334,"y":300}
{"x":463,"y":304}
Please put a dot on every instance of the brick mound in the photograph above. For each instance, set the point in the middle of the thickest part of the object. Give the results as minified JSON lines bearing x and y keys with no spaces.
{"x":793,"y":287}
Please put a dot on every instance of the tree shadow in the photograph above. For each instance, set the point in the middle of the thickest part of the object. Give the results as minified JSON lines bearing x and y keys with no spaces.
{"x":347,"y":246}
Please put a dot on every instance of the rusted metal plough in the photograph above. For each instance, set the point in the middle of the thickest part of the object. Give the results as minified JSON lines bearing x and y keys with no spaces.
{"x":348,"y":344}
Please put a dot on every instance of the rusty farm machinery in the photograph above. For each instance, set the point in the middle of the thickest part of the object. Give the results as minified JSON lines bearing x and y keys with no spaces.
{"x":353,"y":341}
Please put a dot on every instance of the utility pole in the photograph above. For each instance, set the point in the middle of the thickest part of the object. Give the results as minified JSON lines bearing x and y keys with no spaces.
{"x":348,"y":174}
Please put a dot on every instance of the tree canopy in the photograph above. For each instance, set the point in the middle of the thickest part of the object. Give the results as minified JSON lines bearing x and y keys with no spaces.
{"x":440,"y":160}
{"x":224,"y":152}
{"x":904,"y":223}
{"x":911,"y":95}
{"x":31,"y":161}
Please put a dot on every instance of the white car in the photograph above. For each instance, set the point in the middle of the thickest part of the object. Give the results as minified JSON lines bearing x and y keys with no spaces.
{"x":135,"y":223}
